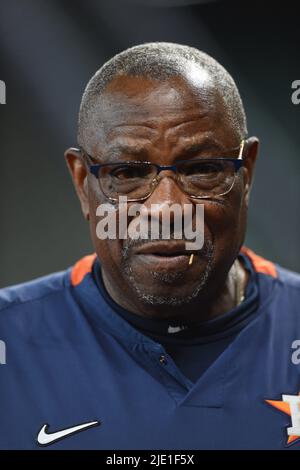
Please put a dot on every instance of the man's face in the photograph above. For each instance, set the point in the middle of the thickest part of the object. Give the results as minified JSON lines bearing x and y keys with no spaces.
{"x":163,"y":122}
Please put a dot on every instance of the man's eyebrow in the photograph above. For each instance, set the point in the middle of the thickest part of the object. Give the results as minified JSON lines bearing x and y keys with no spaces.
{"x":201,"y":146}
{"x":118,"y":149}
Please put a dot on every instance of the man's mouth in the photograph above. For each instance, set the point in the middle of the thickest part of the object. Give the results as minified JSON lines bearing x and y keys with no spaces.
{"x":162,"y":256}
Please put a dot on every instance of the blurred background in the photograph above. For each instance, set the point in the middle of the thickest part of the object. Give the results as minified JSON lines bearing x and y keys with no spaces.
{"x":48,"y":52}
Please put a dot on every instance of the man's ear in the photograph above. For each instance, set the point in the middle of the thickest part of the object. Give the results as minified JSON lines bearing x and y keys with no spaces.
{"x":250,"y":156}
{"x":78,"y":172}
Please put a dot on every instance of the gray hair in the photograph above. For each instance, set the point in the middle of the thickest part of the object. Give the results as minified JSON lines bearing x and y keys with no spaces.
{"x":160,"y":61}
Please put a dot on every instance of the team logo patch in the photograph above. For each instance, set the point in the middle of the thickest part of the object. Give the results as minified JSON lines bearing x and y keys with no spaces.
{"x":290,"y":405}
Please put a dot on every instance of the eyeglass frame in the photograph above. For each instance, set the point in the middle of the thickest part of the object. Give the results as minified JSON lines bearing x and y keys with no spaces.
{"x":238,"y":163}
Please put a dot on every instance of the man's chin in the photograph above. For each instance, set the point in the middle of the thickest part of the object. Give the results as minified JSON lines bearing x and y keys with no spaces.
{"x":169,"y":288}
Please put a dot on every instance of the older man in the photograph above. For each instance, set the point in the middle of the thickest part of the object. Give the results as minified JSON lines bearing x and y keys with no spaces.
{"x":145,"y":344}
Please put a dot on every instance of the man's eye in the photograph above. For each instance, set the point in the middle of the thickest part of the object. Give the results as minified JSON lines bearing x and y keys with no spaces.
{"x":205,"y":169}
{"x":129,"y":172}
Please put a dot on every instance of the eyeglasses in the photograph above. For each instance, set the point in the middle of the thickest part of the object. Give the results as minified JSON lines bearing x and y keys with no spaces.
{"x":199,"y":178}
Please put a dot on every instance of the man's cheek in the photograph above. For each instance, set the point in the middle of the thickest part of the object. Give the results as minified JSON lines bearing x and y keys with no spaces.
{"x":218,"y":218}
{"x":109,"y":251}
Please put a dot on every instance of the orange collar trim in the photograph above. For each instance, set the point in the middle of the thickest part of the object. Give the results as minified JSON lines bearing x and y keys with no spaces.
{"x":81,"y":268}
{"x":260,"y":264}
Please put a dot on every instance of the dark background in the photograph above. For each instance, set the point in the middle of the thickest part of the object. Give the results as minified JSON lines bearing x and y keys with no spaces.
{"x":48,"y":52}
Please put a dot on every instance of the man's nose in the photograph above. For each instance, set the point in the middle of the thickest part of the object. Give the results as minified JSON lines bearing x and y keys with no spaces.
{"x":166,"y":193}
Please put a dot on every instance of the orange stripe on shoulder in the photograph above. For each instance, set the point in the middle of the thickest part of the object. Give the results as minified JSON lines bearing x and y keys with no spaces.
{"x":260,"y":264}
{"x":81,"y":268}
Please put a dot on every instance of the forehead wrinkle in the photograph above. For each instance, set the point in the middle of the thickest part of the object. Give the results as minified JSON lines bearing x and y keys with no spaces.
{"x":178,"y":124}
{"x":152,"y":121}
{"x":132,"y":130}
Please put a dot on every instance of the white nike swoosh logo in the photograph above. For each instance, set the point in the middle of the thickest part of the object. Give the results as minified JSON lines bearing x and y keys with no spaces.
{"x":44,"y":438}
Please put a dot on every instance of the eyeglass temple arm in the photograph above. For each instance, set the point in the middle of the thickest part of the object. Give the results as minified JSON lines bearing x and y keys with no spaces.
{"x":242,"y":146}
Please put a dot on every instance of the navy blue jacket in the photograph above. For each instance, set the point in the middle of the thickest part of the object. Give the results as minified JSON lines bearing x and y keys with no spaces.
{"x":72,"y":361}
